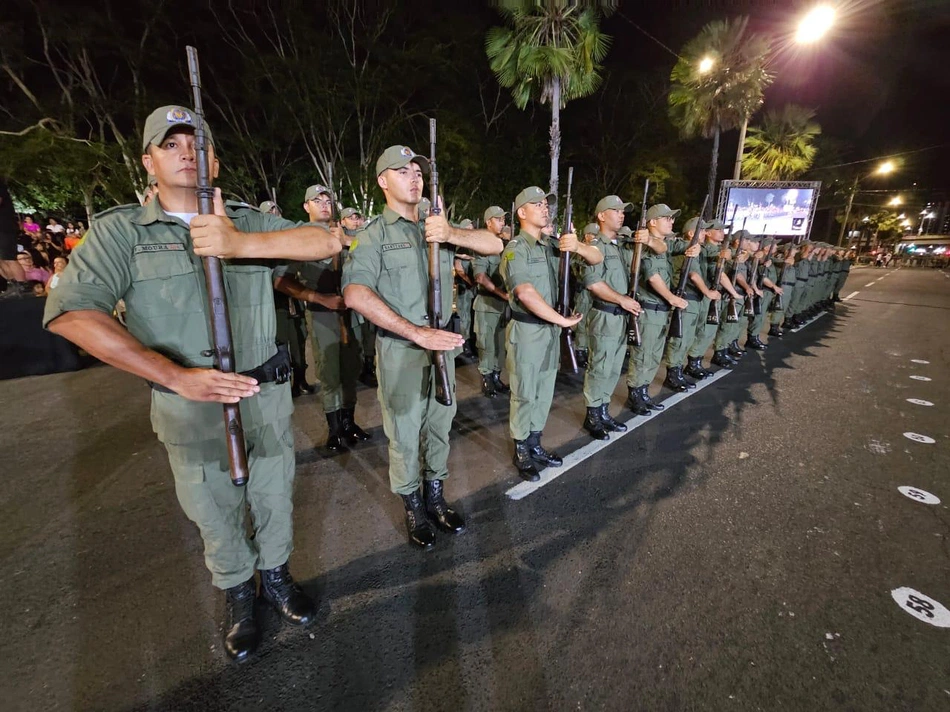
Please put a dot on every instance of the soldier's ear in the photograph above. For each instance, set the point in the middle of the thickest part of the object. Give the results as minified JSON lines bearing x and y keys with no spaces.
{"x":147,"y":163}
{"x":381,"y":181}
{"x":215,"y":168}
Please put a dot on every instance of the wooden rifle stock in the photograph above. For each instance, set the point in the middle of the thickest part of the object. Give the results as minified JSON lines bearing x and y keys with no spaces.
{"x":564,"y":279}
{"x":443,"y":389}
{"x":676,"y":325}
{"x":214,"y":280}
{"x":633,"y":331}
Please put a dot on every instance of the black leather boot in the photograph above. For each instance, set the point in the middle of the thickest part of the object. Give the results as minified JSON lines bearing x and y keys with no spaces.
{"x":280,"y":590}
{"x":635,"y":401}
{"x":734,"y":350}
{"x":649,"y":402}
{"x":300,"y":380}
{"x":679,"y":374}
{"x":350,"y":430}
{"x":775,"y":331}
{"x":694,"y":368}
{"x":674,"y":380}
{"x":445,"y":518}
{"x":723,"y":360}
{"x":582,"y":357}
{"x":488,"y":386}
{"x":539,"y":454}
{"x":334,"y":439}
{"x":594,"y":425}
{"x":420,"y":530}
{"x":527,"y":468}
{"x":499,"y":386}
{"x":614,"y":426}
{"x":241,"y":634}
{"x":754,"y":342}
{"x":368,"y":376}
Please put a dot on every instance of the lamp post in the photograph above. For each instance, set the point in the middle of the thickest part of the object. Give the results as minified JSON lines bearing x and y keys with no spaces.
{"x":884,"y":169}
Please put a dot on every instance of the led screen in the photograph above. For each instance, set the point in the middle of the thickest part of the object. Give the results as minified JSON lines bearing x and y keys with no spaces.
{"x":771,"y":211}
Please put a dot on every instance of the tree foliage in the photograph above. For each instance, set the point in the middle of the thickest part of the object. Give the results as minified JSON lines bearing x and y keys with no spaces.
{"x":783,"y":146}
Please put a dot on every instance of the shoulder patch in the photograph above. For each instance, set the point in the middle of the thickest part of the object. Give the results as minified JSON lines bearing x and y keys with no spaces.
{"x":353,"y":244}
{"x":116,"y":209}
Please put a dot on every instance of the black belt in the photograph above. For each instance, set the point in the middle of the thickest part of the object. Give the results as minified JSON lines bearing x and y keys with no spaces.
{"x":607,"y":307}
{"x":390,"y":335}
{"x":802,"y":279}
{"x":690,"y":297}
{"x":656,"y":307}
{"x":525,"y":318}
{"x":314,"y":307}
{"x":276,"y":369}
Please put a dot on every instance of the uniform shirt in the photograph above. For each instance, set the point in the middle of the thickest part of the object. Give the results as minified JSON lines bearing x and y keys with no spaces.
{"x":529,"y":261}
{"x":802,"y":269}
{"x":614,"y":270}
{"x":144,"y":256}
{"x":390,"y":256}
{"x":708,"y":262}
{"x":489,"y":265}
{"x":652,"y":263}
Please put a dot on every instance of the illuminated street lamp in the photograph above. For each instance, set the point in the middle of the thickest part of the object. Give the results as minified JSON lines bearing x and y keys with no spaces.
{"x":815,"y":24}
{"x":706,"y":65}
{"x":885,"y":168}
{"x":895,"y":201}
{"x":882,"y":170}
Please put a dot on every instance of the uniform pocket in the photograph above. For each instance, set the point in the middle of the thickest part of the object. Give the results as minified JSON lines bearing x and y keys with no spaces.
{"x":248,"y":285}
{"x":164,"y":283}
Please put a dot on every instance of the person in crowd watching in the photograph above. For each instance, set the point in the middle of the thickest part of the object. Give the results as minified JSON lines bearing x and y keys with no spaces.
{"x":55,"y":227}
{"x":59,"y":264}
{"x":30,"y":270}
{"x":30,"y":226}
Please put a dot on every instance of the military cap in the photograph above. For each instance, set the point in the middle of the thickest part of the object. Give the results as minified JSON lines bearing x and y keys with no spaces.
{"x":716,"y":224}
{"x":467,"y":224}
{"x":742,"y":234}
{"x":348,"y":212}
{"x":494,"y":212}
{"x":662,"y":211}
{"x":612,"y":202}
{"x":692,"y":222}
{"x":625,"y":232}
{"x":165,"y":118}
{"x":396,"y":157}
{"x":591,"y":229}
{"x":267,"y":206}
{"x":315,"y":190}
{"x":534,"y":194}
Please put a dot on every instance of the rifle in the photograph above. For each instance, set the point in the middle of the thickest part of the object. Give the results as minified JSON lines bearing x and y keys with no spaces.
{"x":733,"y":315}
{"x":754,"y":304}
{"x":443,"y":389}
{"x":214,"y":280}
{"x":778,"y":304}
{"x":712,"y":315}
{"x":342,"y":317}
{"x":564,"y":277}
{"x":676,"y":325}
{"x":633,"y":330}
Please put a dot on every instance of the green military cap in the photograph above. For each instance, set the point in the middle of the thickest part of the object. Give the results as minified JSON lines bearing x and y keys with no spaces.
{"x":534,"y":194}
{"x":662,"y":211}
{"x":742,"y":234}
{"x":467,"y":224}
{"x":398,"y":157}
{"x":165,"y":118}
{"x":348,"y":212}
{"x":591,"y":229}
{"x":267,"y":206}
{"x":424,"y":205}
{"x":315,"y":190}
{"x":612,"y":202}
{"x":494,"y":212}
{"x":692,"y":222}
{"x":716,"y":224}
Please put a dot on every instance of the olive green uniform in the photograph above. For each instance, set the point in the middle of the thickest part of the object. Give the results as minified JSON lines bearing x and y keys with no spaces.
{"x":844,"y":269}
{"x":533,"y":344}
{"x":757,"y":323}
{"x":144,"y":256}
{"x":464,"y":297}
{"x":729,"y":332}
{"x":693,"y":315}
{"x":786,"y":280}
{"x":390,"y":256}
{"x":607,"y":322}
{"x":490,"y":319}
{"x":705,"y":333}
{"x":583,"y":300}
{"x":292,"y":328}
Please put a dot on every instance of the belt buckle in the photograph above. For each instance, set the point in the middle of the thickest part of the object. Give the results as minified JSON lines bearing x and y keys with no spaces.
{"x":282,"y":373}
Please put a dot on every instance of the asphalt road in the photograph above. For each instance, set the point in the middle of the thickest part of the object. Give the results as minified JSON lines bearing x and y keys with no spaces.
{"x":737,"y":552}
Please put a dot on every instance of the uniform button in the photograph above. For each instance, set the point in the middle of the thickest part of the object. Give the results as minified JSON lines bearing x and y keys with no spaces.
{"x":208,"y":353}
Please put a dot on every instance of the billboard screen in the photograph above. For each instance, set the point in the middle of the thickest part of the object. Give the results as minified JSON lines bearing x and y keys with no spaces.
{"x":778,"y":210}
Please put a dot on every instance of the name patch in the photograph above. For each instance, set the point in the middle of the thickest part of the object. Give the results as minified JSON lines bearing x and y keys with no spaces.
{"x":165,"y":247}
{"x":397,"y":246}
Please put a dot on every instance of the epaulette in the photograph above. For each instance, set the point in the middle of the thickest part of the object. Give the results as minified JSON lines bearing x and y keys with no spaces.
{"x":235,"y":204}
{"x":116,"y":208}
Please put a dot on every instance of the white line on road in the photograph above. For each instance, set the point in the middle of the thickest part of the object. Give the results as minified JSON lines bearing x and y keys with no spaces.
{"x":870,"y":284}
{"x":549,"y":474}
{"x":812,"y":320}
{"x":853,"y":294}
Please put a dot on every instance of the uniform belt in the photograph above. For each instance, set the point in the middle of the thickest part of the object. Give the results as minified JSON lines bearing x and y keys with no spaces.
{"x":525,"y":318}
{"x":802,"y":279}
{"x":390,"y":335}
{"x":656,"y":307}
{"x":607,"y":307}
{"x":314,"y":307}
{"x":691,"y":297}
{"x":276,"y":369}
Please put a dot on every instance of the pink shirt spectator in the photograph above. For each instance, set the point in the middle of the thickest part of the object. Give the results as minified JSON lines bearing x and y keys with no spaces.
{"x":37,"y":274}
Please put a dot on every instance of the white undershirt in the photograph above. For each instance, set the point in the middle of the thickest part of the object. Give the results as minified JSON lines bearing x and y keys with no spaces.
{"x":184,"y":217}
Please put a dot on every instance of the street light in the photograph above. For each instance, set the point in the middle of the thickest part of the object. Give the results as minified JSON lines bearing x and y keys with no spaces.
{"x":706,"y":65}
{"x":883,"y":169}
{"x":895,"y":201}
{"x":815,"y":24}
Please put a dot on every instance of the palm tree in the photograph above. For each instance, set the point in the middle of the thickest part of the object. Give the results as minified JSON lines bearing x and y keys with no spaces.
{"x":549,"y":52}
{"x":782,"y":148}
{"x":720,"y":93}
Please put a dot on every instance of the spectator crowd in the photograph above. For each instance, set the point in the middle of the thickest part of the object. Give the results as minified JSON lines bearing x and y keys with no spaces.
{"x":42,"y":253}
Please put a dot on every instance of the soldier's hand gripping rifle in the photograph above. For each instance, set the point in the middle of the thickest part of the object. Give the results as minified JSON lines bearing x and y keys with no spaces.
{"x":767,"y":248}
{"x":443,"y":389}
{"x":336,"y":263}
{"x":732,"y":315}
{"x":712,"y":315}
{"x":564,"y":278}
{"x":676,"y":314}
{"x":214,"y":280}
{"x":633,"y":332}
{"x":778,"y":304}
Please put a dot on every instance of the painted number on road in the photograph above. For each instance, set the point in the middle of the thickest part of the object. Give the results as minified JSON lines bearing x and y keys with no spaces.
{"x":919,"y":360}
{"x":921,"y":607}
{"x":918,"y":438}
{"x":920,"y":378}
{"x":918,"y":401}
{"x":919,"y":495}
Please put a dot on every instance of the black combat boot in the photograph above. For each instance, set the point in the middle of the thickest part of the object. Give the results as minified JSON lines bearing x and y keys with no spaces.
{"x":499,"y":386}
{"x":836,"y":297}
{"x":527,"y":467}
{"x":298,"y":383}
{"x":594,"y":425}
{"x":635,"y":401}
{"x":775,"y":331}
{"x":350,"y":430}
{"x":735,"y":350}
{"x":650,"y":403}
{"x":368,"y":375}
{"x":722,"y":359}
{"x":539,"y":454}
{"x":418,"y":526}
{"x":674,"y":379}
{"x":694,"y":368}
{"x":614,"y":426}
{"x":280,"y":590}
{"x":334,"y":439}
{"x":241,"y":634}
{"x":445,"y":518}
{"x":754,"y":342}
{"x":582,"y":357}
{"x":488,"y":386}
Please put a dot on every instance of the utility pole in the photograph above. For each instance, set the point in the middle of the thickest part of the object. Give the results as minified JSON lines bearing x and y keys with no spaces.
{"x":847,"y":212}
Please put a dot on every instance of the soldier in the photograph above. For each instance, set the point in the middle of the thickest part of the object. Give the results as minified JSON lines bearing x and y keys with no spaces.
{"x":844,"y":268}
{"x":793,"y":315}
{"x":385,"y":280}
{"x":352,"y":221}
{"x":697,"y":293}
{"x":786,"y":280}
{"x":608,"y":284}
{"x":336,"y":350}
{"x":144,"y":255}
{"x":655,"y":298}
{"x":770,"y":289}
{"x":582,"y":300}
{"x":465,"y":293}
{"x":529,"y":267}
{"x":490,"y":306}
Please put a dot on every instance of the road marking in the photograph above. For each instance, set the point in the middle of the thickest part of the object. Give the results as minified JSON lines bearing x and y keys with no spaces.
{"x":921,"y":607}
{"x":918,"y":401}
{"x":918,"y":438}
{"x":813,"y":319}
{"x":853,"y":294}
{"x":919,"y":495}
{"x":920,"y":378}
{"x":870,"y":284}
{"x":549,"y":474}
{"x":920,"y":360}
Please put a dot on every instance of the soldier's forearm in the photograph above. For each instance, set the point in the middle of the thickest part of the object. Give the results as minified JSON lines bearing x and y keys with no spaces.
{"x":604,"y":293}
{"x":303,"y":243}
{"x":535,"y":303}
{"x":364,"y":300}
{"x":485,"y":283}
{"x":699,"y":283}
{"x":727,"y":285}
{"x":591,"y":255}
{"x":484,"y":242}
{"x":659,"y":286}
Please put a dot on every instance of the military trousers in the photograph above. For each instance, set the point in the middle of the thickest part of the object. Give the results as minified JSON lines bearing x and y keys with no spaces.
{"x":645,"y":359}
{"x":463,"y":304}
{"x":727,"y":331}
{"x":839,"y":282}
{"x":292,"y":330}
{"x":534,"y":355}
{"x":582,"y":305}
{"x":757,"y":323}
{"x":416,"y":425}
{"x":608,"y":341}
{"x":365,"y":331}
{"x":678,"y":347}
{"x":705,"y":333}
{"x":788,"y":293}
{"x":338,"y":364}
{"x":490,"y":339}
{"x":800,"y":298}
{"x":219,"y":509}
